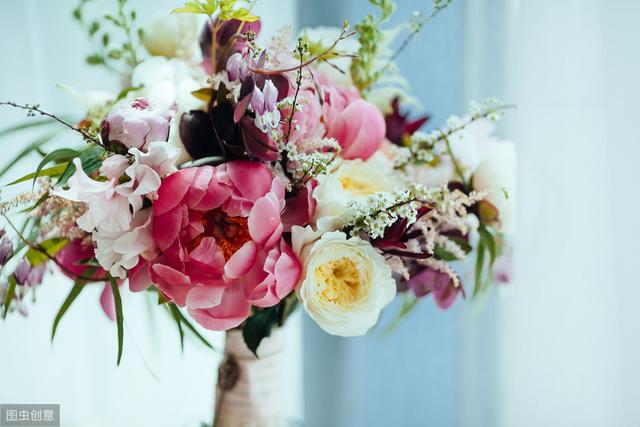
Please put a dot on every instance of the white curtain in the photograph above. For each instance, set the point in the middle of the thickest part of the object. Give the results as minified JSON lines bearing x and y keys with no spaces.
{"x":156,"y":385}
{"x":567,"y":330}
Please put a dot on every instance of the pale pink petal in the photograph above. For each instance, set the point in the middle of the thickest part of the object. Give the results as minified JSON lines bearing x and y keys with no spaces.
{"x":241,"y":261}
{"x":287,"y":271}
{"x":204,"y":296}
{"x":139,"y":277}
{"x":231,"y":312}
{"x":166,"y":227}
{"x":173,"y":189}
{"x":107,"y":303}
{"x":264,"y":222}
{"x":252,"y":179}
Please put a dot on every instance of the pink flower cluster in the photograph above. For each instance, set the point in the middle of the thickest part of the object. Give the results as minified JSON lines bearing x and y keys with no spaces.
{"x":219,"y":235}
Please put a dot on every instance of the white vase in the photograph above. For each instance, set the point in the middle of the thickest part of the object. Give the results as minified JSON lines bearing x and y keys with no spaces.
{"x":250,"y":390}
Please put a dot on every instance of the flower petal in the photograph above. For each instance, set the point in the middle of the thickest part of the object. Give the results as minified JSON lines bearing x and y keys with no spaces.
{"x":241,"y":261}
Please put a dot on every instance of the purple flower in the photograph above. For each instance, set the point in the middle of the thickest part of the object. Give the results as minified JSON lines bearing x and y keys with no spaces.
{"x":22,"y":271}
{"x":36,"y":275}
{"x":6,"y":249}
{"x":136,"y":124}
{"x":437,"y":283}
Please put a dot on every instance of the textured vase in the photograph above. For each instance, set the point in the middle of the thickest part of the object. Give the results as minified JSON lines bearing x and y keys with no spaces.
{"x":249,"y":392}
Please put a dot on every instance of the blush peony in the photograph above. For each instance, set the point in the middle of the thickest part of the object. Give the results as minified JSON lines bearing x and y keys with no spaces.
{"x":218,"y":230}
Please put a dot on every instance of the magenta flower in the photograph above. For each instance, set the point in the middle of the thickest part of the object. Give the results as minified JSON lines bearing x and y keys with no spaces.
{"x":136,"y":124}
{"x":219,"y":232}
{"x":21,"y":273}
{"x":438,"y":283}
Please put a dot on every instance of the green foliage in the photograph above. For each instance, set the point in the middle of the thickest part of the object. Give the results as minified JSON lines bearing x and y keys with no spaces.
{"x":487,"y":252}
{"x":62,"y":155}
{"x":11,"y":291}
{"x":113,"y":36}
{"x":364,"y":71}
{"x":227,"y":9}
{"x":181,"y":321}
{"x":73,"y":294}
{"x":90,"y":157}
{"x":119,"y":316}
{"x":48,"y":248}
{"x":259,"y":326}
{"x":31,"y":147}
{"x":52,"y":172}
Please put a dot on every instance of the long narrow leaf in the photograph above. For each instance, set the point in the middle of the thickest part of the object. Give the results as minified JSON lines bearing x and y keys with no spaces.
{"x":119,"y":317}
{"x":176,"y":316}
{"x":28,"y":150}
{"x":9,"y":296}
{"x":56,"y":170}
{"x":61,"y":155}
{"x":479,"y":267}
{"x":25,"y":125}
{"x":75,"y":291}
{"x":193,"y":329}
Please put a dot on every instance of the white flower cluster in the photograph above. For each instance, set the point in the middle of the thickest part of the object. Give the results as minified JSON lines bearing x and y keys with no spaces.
{"x":491,"y":108}
{"x":379,"y":211}
{"x":312,"y":158}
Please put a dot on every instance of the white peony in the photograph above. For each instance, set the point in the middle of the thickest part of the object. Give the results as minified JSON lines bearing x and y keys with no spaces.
{"x":171,"y":35}
{"x":497,"y":174}
{"x":346,"y":282}
{"x":353,"y":180}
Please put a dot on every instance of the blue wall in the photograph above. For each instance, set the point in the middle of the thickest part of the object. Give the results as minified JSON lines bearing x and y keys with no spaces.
{"x":408,"y":378}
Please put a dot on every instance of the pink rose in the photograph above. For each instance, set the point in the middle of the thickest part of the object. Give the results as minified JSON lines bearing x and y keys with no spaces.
{"x":359,"y":128}
{"x":136,"y":124}
{"x":219,"y":232}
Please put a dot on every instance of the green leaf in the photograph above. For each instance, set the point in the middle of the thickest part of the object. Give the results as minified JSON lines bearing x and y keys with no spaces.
{"x":258,"y":327}
{"x":479,"y":267}
{"x":409,"y":302}
{"x":119,"y":317}
{"x":25,"y":125}
{"x":176,"y":316}
{"x":51,"y":247}
{"x":11,"y":291}
{"x":52,"y":171}
{"x":192,"y":328}
{"x":28,"y":149}
{"x":94,"y":27}
{"x":75,"y":291}
{"x":489,"y":243}
{"x":94,"y":59}
{"x":58,"y":156}
{"x":91,"y":159}
{"x":191,"y":7}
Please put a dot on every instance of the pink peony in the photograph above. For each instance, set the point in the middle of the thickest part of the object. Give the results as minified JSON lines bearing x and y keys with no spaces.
{"x":136,"y":124}
{"x":359,"y":128}
{"x":307,"y":121}
{"x":219,"y":232}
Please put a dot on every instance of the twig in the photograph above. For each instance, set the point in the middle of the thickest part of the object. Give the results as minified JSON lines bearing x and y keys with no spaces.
{"x":32,"y":109}
{"x":343,"y":35}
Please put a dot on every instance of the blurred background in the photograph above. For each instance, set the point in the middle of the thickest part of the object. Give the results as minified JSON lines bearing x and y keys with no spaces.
{"x":558,"y":347}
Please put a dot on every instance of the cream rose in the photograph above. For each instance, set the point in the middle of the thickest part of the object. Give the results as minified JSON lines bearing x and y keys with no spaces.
{"x":353,"y":180}
{"x":497,"y":174}
{"x":346,"y":281}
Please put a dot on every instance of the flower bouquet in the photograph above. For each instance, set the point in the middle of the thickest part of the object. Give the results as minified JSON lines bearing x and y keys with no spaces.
{"x":237,"y":179}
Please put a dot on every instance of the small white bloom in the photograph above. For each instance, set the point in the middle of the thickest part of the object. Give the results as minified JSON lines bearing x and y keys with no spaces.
{"x":120,"y":251}
{"x":353,"y":180}
{"x":171,"y":35}
{"x":497,"y":174}
{"x":346,"y":281}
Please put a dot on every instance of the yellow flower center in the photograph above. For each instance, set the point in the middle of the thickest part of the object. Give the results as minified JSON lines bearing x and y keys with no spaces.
{"x":340,"y":280}
{"x":357,"y":187}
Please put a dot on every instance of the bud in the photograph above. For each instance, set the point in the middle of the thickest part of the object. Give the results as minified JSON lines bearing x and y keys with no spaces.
{"x":36,"y":275}
{"x":6,"y":248}
{"x":21,"y":274}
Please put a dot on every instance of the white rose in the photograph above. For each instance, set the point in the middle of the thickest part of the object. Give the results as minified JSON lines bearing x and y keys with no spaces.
{"x":171,"y":35}
{"x":346,"y":281}
{"x":353,"y":180}
{"x":497,"y":174}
